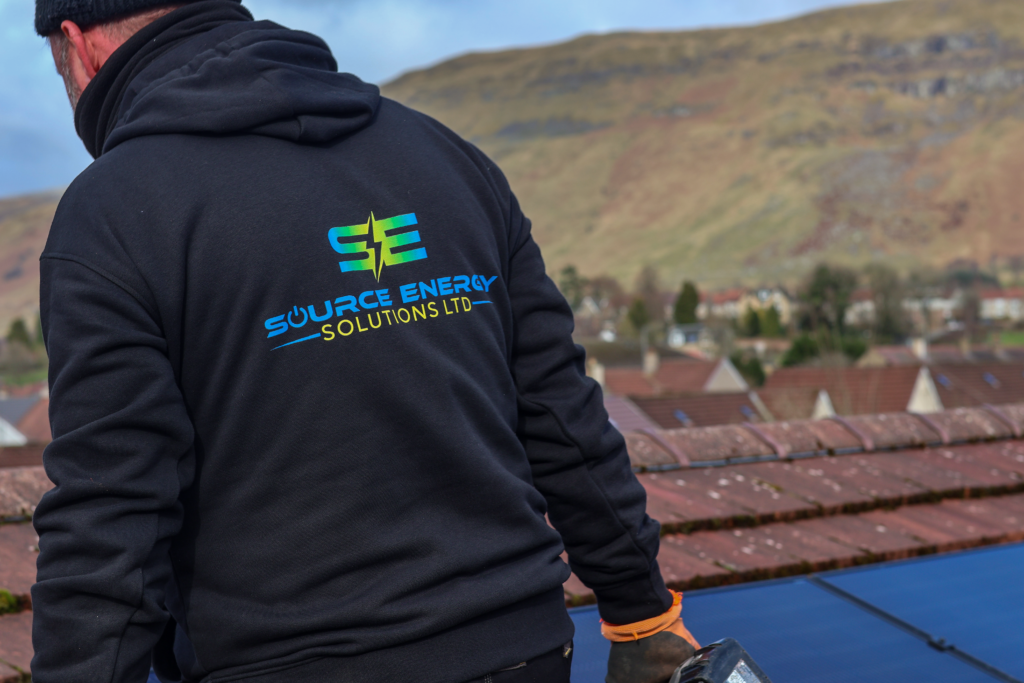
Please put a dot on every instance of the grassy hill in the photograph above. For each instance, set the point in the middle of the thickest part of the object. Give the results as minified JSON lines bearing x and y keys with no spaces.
{"x":24,"y":225}
{"x":887,"y":132}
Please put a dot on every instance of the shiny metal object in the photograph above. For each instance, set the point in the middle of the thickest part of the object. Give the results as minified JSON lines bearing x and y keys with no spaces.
{"x":724,"y":661}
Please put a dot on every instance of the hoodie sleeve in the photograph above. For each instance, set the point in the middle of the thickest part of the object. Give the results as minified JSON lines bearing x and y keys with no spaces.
{"x":121,"y":454}
{"x":578,"y":459}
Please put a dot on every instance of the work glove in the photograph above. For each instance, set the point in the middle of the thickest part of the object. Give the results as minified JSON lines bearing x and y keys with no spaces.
{"x":649,"y":651}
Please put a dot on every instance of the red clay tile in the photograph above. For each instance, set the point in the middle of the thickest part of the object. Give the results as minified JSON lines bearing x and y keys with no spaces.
{"x":1006,"y":522}
{"x":18,"y":557}
{"x":21,"y":456}
{"x":1007,"y":456}
{"x":724,"y":442}
{"x":832,"y":436}
{"x":895,"y":430}
{"x":862,"y":473}
{"x":20,"y":490}
{"x":727,"y":493}
{"x":969,"y":465}
{"x":682,"y":569}
{"x":16,"y":641}
{"x":804,"y":545}
{"x":936,"y":526}
{"x":928,"y":471}
{"x":877,"y":540}
{"x":807,"y":480}
{"x":971,"y":424}
{"x":736,"y":551}
{"x":1014,"y":411}
{"x":645,"y":452}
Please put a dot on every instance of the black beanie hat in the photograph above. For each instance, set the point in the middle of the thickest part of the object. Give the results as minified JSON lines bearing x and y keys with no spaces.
{"x":50,"y":13}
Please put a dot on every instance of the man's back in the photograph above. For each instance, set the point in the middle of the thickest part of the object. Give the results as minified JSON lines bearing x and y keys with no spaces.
{"x":303,"y":344}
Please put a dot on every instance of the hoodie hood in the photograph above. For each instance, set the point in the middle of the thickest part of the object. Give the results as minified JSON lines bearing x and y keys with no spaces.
{"x":209,"y":69}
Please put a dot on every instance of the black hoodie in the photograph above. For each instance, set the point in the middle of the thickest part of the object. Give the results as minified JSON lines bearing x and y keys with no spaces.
{"x":312,"y":393}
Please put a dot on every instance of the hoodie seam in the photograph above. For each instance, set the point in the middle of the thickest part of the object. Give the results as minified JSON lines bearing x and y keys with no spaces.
{"x":105,"y":275}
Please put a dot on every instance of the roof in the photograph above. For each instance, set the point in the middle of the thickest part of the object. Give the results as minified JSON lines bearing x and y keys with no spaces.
{"x":741,"y":503}
{"x":889,"y":355}
{"x":854,"y":391}
{"x":745,"y":503}
{"x":701,"y":409}
{"x":35,"y":424}
{"x":672,"y":376}
{"x":625,"y":415}
{"x":977,"y":384}
{"x":12,"y":410}
{"x":789,"y":403}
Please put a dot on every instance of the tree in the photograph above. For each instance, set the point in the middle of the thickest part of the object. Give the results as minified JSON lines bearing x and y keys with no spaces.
{"x":638,"y":315}
{"x":887,"y":294}
{"x":571,"y":285}
{"x":685,"y":311}
{"x":826,"y":296}
{"x":750,"y":367}
{"x":803,"y":349}
{"x":771,"y":323}
{"x":18,"y":334}
{"x":648,"y":289}
{"x":750,"y":325}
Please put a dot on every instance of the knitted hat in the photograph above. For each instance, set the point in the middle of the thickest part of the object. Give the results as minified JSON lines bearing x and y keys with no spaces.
{"x":50,"y":13}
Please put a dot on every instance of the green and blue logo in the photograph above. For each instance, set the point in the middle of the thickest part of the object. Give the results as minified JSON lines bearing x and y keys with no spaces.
{"x":379,"y":250}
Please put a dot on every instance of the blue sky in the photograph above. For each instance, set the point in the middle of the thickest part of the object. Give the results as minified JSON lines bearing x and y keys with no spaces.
{"x":374,"y":39}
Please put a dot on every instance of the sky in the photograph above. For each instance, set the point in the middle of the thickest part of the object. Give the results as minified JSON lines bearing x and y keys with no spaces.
{"x":374,"y":39}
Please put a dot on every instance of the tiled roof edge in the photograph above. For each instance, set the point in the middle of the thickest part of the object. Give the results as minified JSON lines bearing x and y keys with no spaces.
{"x":734,"y":444}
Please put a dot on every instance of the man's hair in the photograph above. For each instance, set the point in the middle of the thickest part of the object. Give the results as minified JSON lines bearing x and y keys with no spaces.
{"x":120,"y":30}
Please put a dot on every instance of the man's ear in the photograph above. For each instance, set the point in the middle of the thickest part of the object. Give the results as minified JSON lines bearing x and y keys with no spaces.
{"x":84,"y":52}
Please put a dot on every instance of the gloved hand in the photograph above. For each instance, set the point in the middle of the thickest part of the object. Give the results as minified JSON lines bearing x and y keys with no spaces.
{"x":649,"y":651}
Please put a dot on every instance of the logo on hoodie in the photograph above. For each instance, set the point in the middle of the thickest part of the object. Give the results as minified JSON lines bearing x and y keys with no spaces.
{"x":377,"y":248}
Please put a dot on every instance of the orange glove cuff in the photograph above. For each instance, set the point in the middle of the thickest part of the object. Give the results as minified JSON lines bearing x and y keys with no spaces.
{"x":647,"y":627}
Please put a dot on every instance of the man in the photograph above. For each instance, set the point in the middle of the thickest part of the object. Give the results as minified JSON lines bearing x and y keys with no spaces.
{"x":312,"y":393}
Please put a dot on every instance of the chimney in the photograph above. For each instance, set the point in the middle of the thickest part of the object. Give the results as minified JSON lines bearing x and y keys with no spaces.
{"x":919,"y":346}
{"x":651,"y":362}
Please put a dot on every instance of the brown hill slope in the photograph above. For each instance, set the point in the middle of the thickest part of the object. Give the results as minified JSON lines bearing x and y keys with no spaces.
{"x":24,"y":225}
{"x":889,"y":132}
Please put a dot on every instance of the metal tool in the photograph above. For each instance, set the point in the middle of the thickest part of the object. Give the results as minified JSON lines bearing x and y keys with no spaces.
{"x":724,"y":661}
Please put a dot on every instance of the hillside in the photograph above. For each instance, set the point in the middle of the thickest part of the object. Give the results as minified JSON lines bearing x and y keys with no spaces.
{"x":880,"y":132}
{"x":24,"y":225}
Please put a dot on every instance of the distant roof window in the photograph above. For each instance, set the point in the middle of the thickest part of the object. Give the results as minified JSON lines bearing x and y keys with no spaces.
{"x":944,"y":381}
{"x":683,"y":417}
{"x":748,"y":412}
{"x":991,"y":379}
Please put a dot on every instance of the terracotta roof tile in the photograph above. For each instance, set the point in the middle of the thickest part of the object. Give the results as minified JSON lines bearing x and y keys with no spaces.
{"x":806,"y":480}
{"x":854,"y":391}
{"x":700,"y":410}
{"x":21,"y":456}
{"x":645,"y":452}
{"x":20,"y":490}
{"x":979,"y":383}
{"x":673,"y":375}
{"x":15,"y":646}
{"x":18,"y":544}
{"x":970,"y":424}
{"x":895,"y":430}
{"x":724,"y":442}
{"x":625,"y":415}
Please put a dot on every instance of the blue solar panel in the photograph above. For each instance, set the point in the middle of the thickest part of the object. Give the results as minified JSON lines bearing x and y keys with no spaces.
{"x":798,"y":633}
{"x":974,"y":600}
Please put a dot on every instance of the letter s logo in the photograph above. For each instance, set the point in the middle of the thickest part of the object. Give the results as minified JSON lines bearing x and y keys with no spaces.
{"x":276,"y":325}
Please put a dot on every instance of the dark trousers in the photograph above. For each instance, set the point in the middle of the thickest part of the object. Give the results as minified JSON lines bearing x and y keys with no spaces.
{"x":552,"y":667}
